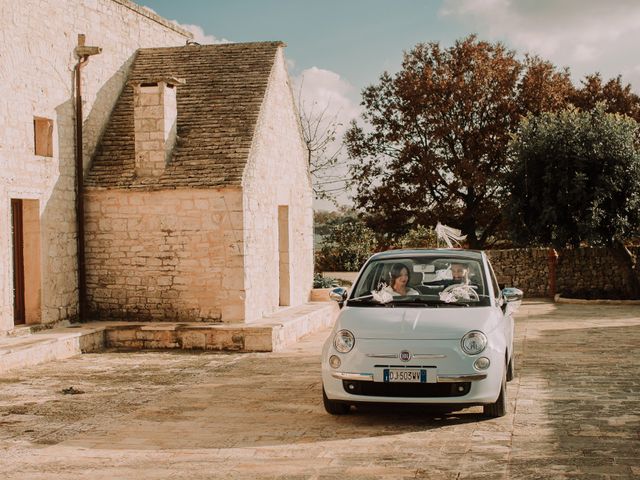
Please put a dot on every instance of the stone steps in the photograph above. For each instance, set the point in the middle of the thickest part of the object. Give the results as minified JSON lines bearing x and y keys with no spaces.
{"x":272,"y":333}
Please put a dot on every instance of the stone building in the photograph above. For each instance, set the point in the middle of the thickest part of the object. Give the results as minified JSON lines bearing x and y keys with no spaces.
{"x":199,"y":196}
{"x":197,"y":202}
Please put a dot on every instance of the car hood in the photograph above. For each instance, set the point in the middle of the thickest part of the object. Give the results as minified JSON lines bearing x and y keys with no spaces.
{"x":417,"y":323}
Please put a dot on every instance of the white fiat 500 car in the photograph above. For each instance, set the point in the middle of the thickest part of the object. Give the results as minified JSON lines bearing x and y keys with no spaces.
{"x":422,"y":326}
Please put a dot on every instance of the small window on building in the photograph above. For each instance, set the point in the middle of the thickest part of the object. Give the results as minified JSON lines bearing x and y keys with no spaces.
{"x":43,"y":136}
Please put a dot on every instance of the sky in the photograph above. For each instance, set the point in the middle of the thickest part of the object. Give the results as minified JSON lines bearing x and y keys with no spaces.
{"x":335,"y":48}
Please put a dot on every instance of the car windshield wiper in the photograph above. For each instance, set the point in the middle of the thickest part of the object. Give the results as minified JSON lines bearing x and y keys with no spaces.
{"x":408,"y":301}
{"x":430,"y":302}
{"x":464,"y":302}
{"x":364,"y":300}
{"x":436,"y":302}
{"x":427,"y":302}
{"x":369,"y":301}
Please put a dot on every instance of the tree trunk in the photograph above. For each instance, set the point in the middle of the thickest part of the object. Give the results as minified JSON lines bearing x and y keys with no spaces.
{"x":629,"y":271}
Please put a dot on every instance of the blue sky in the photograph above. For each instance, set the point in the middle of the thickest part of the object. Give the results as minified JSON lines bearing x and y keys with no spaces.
{"x":339,"y":47}
{"x":356,"y":38}
{"x":359,"y":39}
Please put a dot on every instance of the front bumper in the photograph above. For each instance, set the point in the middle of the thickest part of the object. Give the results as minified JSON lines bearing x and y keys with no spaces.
{"x":368,"y":377}
{"x":451,"y":376}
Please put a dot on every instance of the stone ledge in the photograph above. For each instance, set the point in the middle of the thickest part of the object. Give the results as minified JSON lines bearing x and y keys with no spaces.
{"x":55,"y":344}
{"x":320,"y":294}
{"x":582,"y":301}
{"x":151,"y":15}
{"x":272,"y":333}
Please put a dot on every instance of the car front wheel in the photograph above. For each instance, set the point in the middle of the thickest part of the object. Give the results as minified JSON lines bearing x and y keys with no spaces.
{"x":499,"y":407}
{"x":333,"y":407}
{"x":511,"y":369}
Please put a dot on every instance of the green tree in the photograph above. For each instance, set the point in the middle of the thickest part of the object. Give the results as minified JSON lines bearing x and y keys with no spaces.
{"x":418,"y":237}
{"x":347,"y":245}
{"x":433,"y":147}
{"x":323,"y":220}
{"x":575,"y":178}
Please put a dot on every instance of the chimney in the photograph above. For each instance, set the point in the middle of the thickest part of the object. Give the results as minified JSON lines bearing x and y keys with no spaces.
{"x":154,"y":117}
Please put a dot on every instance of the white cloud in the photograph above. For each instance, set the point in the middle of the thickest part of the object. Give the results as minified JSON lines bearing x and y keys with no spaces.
{"x":198,"y":32}
{"x":318,"y":90}
{"x":325,"y":93}
{"x":471,"y":7}
{"x":586,"y":53}
{"x":150,"y":9}
{"x":199,"y":36}
{"x":585,"y":35}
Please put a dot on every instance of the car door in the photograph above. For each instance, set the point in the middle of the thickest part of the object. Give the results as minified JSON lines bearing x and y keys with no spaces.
{"x":507,"y":317}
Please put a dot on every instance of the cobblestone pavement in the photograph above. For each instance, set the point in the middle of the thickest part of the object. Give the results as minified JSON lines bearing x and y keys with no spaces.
{"x":574,"y":413}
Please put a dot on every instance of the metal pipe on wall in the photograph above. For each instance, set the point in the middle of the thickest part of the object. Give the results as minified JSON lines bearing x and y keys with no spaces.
{"x":83,"y":53}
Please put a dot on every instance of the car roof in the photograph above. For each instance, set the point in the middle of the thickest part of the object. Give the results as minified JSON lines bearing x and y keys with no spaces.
{"x":416,"y":252}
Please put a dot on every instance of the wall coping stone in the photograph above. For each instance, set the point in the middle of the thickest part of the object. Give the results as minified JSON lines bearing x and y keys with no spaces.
{"x":582,"y":301}
{"x":154,"y":16}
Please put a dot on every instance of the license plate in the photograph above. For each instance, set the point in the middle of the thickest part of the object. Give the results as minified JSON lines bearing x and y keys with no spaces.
{"x":405,"y":375}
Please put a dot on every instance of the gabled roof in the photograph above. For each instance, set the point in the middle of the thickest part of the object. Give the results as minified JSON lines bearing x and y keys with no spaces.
{"x":218,"y":107}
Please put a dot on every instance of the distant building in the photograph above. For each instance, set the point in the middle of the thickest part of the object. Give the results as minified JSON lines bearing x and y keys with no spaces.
{"x":197,"y":196}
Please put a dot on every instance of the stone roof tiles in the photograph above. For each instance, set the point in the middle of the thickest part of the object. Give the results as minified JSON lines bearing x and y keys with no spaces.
{"x":218,"y":107}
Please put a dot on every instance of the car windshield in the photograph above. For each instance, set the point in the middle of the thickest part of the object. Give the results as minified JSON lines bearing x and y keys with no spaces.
{"x":421,"y":281}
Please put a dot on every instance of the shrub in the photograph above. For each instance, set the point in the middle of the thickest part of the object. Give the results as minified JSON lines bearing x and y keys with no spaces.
{"x":347,"y":245}
{"x":324,"y":282}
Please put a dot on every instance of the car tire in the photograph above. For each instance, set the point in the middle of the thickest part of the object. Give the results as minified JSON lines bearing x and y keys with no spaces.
{"x":499,"y":407}
{"x":511,"y":369}
{"x":333,"y":407}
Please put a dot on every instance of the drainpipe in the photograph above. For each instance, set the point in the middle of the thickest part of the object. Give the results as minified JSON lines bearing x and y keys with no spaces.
{"x":83,"y":53}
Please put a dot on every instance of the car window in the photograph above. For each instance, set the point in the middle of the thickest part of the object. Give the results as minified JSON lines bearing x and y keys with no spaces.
{"x":423,"y":279}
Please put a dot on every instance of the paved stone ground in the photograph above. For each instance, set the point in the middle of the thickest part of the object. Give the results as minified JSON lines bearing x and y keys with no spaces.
{"x":574,"y":413}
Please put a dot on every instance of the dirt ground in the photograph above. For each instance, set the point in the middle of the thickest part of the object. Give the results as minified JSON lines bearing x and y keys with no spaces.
{"x":574,"y":413}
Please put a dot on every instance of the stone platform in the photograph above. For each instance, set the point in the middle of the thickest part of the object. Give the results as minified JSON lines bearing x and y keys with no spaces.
{"x":272,"y":333}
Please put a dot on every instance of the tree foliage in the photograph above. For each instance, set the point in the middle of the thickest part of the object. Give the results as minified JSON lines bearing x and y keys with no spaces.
{"x":347,"y":245}
{"x":434,"y":144}
{"x":575,"y":178}
{"x":613,"y":95}
{"x":418,"y":237}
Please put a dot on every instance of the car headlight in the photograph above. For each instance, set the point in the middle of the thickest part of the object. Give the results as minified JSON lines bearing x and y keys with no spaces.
{"x":344,"y":341}
{"x":481,"y":363}
{"x":334,"y":361}
{"x":473,"y":342}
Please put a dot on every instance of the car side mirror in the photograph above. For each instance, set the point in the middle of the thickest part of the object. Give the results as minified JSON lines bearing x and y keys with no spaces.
{"x":511,"y":294}
{"x":338,"y":294}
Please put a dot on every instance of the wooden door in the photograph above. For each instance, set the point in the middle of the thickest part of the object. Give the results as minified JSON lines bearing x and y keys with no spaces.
{"x":18,"y":261}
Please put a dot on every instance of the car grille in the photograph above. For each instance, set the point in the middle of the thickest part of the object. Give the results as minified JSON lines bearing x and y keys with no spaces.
{"x":411,"y":390}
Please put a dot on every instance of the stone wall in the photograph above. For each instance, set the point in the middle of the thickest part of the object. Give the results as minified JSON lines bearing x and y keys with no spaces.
{"x":592,"y":269}
{"x":38,"y":38}
{"x":523,"y":268}
{"x":277,"y":175}
{"x":596,"y":270}
{"x":174,"y":255}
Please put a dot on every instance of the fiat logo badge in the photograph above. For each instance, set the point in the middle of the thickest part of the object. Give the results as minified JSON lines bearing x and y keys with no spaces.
{"x":405,"y":355}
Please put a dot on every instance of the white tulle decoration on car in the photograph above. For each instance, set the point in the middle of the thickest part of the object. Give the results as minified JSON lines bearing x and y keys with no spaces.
{"x":456,"y":293}
{"x":382,"y":296}
{"x":449,"y":235}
